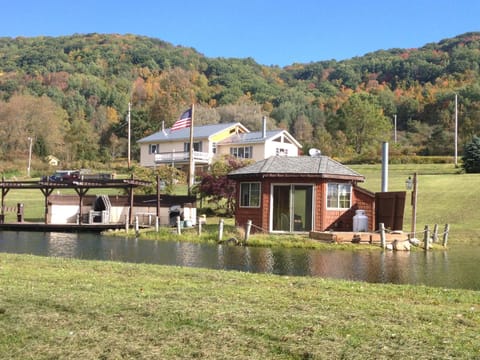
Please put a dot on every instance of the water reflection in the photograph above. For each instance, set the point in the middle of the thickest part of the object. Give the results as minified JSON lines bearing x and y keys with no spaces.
{"x":457,"y":268}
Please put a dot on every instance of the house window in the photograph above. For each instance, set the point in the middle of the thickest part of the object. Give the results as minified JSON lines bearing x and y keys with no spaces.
{"x":242,"y":152}
{"x":214,"y":147}
{"x":197,"y":146}
{"x":281,"y":151}
{"x":153,"y":148}
{"x":250,"y":194}
{"x":339,"y":196}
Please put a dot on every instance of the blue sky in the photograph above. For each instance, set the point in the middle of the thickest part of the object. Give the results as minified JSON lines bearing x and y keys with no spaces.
{"x":273,"y":32}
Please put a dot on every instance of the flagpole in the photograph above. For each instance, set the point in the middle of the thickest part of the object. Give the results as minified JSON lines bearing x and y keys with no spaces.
{"x":191,"y":173}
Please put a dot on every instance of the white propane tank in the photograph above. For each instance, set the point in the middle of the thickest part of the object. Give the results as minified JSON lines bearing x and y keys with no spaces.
{"x":360,"y":221}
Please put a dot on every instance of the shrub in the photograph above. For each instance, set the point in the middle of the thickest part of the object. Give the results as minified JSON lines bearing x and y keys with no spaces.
{"x":471,"y":156}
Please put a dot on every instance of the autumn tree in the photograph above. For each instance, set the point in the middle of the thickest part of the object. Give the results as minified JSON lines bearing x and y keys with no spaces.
{"x":169,"y":175}
{"x":217,"y":186}
{"x":303,"y":129}
{"x":81,"y":140}
{"x":363,"y":122}
{"x":175,"y":94}
{"x":39,"y":118}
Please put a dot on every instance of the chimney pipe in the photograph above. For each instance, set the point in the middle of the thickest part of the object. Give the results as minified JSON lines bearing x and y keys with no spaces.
{"x":264,"y":127}
{"x":385,"y":167}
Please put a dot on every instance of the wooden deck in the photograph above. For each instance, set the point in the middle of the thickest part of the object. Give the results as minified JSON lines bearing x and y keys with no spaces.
{"x":41,"y":227}
{"x":354,"y":237}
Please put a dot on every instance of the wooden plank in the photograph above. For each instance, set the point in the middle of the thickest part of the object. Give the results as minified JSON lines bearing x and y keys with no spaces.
{"x":355,"y":237}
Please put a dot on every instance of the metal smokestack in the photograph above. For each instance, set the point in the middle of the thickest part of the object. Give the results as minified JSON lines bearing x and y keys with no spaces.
{"x":264,"y":127}
{"x":385,"y":167}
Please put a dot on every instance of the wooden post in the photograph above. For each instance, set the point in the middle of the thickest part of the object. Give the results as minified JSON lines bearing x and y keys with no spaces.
{"x":127,"y":222}
{"x":158,"y":196}
{"x":3,"y":201}
{"x":248,"y":227}
{"x":136,"y":225}
{"x":383,"y":242}
{"x":414,"y":205}
{"x":130,"y":193}
{"x":179,"y":227}
{"x":445,"y":235}
{"x":220,"y":230}
{"x":426,"y":237}
{"x":199,"y":224}
{"x":435,"y":233}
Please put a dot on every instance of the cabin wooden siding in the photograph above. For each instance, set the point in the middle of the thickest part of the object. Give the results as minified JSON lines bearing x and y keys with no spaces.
{"x":324,"y":219}
{"x":365,"y":200}
{"x":342,"y":219}
{"x":259,"y":216}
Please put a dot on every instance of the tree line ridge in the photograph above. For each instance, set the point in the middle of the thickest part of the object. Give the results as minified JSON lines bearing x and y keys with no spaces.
{"x":71,"y":94}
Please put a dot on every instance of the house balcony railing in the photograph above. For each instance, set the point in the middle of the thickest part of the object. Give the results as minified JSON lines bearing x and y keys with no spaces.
{"x":182,"y":157}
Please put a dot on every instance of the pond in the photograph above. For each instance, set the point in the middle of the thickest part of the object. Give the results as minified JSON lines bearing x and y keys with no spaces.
{"x":457,"y":267}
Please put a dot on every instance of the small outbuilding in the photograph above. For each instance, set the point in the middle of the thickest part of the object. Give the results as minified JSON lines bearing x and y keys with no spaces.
{"x":114,"y":209}
{"x":301,"y":194}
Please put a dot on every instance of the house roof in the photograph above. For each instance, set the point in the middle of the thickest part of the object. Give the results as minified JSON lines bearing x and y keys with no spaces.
{"x":300,"y":166}
{"x":257,"y":137}
{"x":199,"y":132}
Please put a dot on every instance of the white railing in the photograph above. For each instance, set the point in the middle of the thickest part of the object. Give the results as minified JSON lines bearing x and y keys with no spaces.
{"x":181,"y":156}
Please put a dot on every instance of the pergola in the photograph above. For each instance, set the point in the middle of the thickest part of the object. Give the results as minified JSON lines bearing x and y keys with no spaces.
{"x":81,"y":187}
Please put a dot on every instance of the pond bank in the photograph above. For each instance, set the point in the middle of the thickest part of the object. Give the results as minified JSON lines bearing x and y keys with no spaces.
{"x":59,"y":308}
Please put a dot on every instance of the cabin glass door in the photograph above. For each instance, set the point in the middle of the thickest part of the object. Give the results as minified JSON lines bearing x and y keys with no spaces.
{"x":292,"y":208}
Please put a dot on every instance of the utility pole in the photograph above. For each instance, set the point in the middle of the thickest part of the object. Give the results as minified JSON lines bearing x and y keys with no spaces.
{"x":129,"y":134}
{"x":29,"y":155}
{"x":395,"y":128}
{"x":456,"y":129}
{"x":191,"y":172}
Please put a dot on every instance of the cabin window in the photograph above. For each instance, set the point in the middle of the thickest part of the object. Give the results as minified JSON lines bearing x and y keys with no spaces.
{"x":242,"y":152}
{"x":153,"y":148}
{"x":250,"y":194}
{"x":339,"y":196}
{"x":281,"y":152}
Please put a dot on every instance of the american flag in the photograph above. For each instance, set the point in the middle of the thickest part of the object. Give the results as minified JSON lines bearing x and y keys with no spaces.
{"x":184,"y":121}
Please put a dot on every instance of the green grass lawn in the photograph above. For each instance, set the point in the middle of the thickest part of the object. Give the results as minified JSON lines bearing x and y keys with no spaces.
{"x":52,"y":308}
{"x":444,"y":196}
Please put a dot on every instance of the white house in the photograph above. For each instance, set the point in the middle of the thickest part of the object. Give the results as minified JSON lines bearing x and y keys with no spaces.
{"x":259,"y":145}
{"x":173,"y":147}
{"x":167,"y":147}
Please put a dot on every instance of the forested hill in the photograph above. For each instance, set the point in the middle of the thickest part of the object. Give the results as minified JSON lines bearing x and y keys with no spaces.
{"x":70,"y":94}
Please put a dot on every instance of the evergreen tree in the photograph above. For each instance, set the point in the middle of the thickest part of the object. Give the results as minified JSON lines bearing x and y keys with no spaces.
{"x":471,"y":156}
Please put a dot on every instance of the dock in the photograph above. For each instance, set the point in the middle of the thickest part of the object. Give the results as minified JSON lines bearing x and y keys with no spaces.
{"x":42,"y":227}
{"x":354,"y":237}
